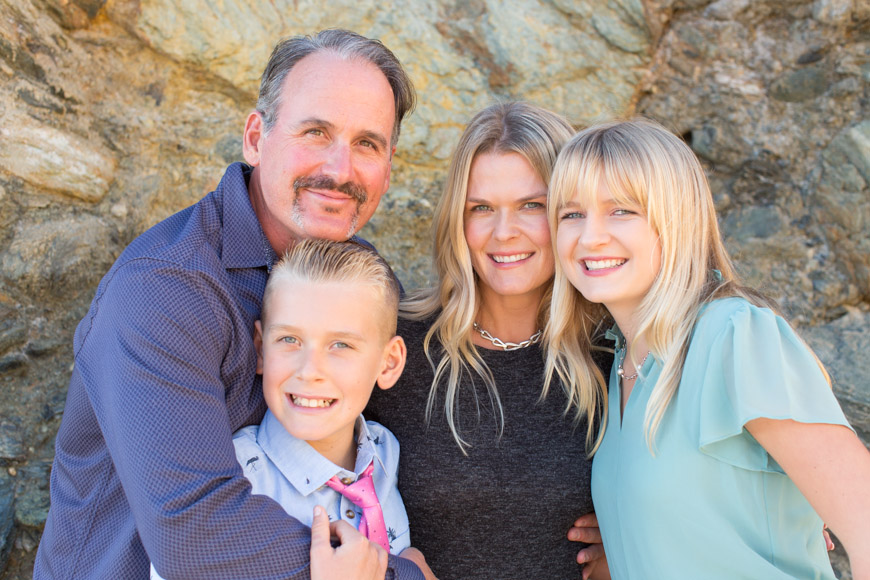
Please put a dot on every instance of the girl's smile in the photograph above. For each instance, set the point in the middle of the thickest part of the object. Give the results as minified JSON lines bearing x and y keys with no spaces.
{"x":608,"y":250}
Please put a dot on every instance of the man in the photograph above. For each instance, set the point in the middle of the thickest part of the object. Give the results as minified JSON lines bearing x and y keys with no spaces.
{"x":164,"y":360}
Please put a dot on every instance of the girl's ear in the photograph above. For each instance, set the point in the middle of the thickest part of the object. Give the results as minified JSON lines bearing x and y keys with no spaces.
{"x":393,"y":364}
{"x":258,"y":344}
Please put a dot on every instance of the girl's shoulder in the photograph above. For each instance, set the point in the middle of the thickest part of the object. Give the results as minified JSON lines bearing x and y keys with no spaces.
{"x":724,"y":309}
{"x":737,"y":314}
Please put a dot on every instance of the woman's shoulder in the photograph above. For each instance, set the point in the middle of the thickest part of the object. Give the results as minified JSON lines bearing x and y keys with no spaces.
{"x":413,"y":331}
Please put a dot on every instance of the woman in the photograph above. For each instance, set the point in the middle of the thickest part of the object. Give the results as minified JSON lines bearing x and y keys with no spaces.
{"x":721,"y":425}
{"x":493,"y":468}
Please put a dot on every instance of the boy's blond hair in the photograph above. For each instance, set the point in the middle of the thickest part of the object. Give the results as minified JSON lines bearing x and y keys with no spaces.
{"x":328,"y":261}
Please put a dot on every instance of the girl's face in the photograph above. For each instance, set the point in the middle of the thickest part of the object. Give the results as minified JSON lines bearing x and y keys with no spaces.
{"x":609,"y":251}
{"x":506,"y":226}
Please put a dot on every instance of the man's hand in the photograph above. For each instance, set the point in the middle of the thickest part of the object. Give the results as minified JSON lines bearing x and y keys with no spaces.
{"x":413,"y":554}
{"x":586,"y":530}
{"x":355,"y":558}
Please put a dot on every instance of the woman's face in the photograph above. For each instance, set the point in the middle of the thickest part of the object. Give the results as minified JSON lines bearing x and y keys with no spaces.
{"x":608,"y":251}
{"x":506,"y":226}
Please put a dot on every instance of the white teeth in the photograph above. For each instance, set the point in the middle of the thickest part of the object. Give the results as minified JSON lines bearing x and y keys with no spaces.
{"x":313,"y":403}
{"x":602,"y":264}
{"x":509,"y":259}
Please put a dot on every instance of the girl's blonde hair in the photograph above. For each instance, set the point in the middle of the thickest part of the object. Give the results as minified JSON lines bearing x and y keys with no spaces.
{"x":533,"y":133}
{"x":643,"y":165}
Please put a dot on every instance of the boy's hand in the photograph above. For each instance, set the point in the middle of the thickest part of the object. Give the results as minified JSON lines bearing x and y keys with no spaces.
{"x":356,"y":557}
{"x":413,"y":554}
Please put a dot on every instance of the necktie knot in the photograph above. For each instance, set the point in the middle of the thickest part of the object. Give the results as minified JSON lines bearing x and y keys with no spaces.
{"x":362,"y":493}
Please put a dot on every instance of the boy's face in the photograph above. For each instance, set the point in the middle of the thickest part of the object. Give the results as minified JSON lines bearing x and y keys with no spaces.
{"x":321,"y":351}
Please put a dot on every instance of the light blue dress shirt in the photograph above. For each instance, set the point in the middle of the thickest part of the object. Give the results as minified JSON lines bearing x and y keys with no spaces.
{"x":291,"y":472}
{"x":712,"y":503}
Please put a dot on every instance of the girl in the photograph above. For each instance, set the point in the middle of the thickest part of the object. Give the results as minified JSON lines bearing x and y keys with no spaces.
{"x":722,"y":436}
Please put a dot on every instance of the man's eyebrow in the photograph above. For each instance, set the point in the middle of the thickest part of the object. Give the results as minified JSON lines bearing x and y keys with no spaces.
{"x":376,"y":137}
{"x":315,"y":122}
{"x":370,"y":135}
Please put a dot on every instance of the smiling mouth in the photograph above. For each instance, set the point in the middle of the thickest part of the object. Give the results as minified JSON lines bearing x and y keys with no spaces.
{"x":510,"y":259}
{"x":310,"y":403}
{"x":603,"y":264}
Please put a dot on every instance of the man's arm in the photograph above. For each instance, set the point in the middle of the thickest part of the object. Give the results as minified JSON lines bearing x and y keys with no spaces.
{"x":152,"y":364}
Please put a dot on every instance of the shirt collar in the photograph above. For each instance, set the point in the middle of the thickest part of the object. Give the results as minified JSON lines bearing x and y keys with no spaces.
{"x":306,"y":469}
{"x":244,"y":243}
{"x":613,"y":333}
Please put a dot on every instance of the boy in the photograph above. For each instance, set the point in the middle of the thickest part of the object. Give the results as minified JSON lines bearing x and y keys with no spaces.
{"x":326,"y":336}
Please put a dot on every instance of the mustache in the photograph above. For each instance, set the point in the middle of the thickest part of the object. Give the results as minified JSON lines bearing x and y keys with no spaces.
{"x":349,"y":188}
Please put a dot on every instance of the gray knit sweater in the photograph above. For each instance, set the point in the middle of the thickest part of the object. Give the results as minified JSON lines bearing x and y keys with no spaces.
{"x":503,"y":511}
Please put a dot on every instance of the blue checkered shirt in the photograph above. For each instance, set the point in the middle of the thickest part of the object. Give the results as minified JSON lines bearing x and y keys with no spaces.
{"x":164,"y":374}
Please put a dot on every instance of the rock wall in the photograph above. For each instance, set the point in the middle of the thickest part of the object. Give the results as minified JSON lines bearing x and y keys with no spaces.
{"x":116,"y":113}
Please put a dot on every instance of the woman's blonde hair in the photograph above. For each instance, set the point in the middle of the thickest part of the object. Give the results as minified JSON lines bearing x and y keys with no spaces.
{"x":645,"y":166}
{"x":533,"y":133}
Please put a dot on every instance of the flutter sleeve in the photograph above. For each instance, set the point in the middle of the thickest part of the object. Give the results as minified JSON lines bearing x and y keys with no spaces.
{"x":756,"y":366}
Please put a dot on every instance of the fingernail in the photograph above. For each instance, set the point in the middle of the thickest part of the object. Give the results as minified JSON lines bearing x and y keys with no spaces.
{"x":318,"y":511}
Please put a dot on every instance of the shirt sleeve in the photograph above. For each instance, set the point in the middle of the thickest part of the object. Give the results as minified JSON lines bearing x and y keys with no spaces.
{"x":756,"y":366}
{"x":151,"y":364}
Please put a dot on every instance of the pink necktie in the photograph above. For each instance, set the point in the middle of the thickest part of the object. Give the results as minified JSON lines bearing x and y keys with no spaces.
{"x":362,"y":493}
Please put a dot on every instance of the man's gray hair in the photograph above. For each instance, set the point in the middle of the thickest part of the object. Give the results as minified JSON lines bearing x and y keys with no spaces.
{"x":346,"y":45}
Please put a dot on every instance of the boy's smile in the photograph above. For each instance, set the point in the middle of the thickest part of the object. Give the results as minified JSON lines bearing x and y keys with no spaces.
{"x":323,"y":348}
{"x":301,"y":401}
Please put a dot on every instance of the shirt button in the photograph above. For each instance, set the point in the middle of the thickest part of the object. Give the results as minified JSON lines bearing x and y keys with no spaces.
{"x":350,"y":514}
{"x":347,"y":480}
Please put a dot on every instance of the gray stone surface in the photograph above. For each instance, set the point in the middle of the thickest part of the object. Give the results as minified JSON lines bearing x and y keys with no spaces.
{"x":7,"y":517}
{"x":113,"y":115}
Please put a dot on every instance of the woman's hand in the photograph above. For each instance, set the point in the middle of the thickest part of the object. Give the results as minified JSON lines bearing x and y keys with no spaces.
{"x":586,"y":530}
{"x":356,"y":552}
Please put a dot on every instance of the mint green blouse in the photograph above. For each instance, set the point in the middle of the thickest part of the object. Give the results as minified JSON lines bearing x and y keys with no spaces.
{"x":712,"y":503}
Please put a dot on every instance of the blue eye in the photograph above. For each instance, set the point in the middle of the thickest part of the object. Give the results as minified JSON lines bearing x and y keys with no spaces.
{"x":534,"y":205}
{"x":480,"y":207}
{"x":572,"y":215}
{"x":288,"y":340}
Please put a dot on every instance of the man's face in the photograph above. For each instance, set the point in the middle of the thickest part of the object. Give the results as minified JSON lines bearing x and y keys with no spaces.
{"x":321,"y":170}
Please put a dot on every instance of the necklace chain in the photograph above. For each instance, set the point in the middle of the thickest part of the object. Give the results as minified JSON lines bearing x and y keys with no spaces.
{"x":621,"y":372}
{"x":509,"y":345}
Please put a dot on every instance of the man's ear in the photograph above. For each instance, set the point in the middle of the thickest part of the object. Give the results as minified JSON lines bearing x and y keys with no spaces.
{"x":258,"y":344}
{"x":254,"y":133}
{"x":394,"y":362}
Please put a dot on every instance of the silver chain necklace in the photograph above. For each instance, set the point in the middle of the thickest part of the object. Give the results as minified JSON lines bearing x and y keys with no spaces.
{"x":621,"y":372}
{"x":509,"y":345}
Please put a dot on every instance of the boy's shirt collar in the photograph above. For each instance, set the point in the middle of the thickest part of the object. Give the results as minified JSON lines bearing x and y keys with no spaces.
{"x":306,"y":469}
